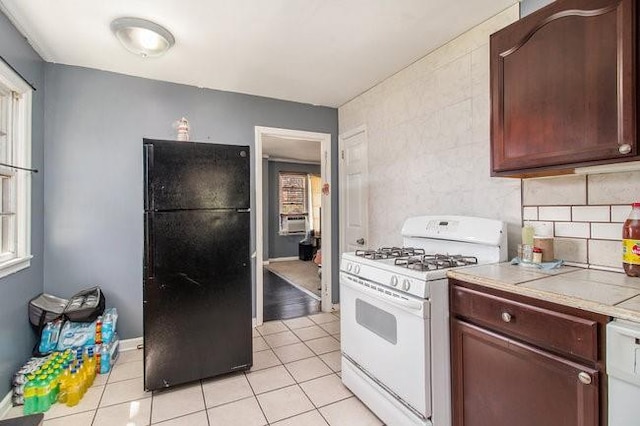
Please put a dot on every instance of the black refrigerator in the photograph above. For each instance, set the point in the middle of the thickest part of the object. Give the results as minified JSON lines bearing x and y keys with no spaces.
{"x":197,"y":270}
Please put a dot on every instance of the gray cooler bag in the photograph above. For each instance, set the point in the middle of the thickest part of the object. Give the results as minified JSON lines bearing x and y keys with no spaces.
{"x":45,"y":308}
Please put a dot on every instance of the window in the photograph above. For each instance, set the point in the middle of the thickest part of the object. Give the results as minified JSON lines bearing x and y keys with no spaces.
{"x":15,"y":185}
{"x":293,"y":203}
{"x":300,"y":198}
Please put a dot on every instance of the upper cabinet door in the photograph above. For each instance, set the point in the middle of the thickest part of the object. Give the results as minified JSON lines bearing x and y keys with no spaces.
{"x":563,"y":88}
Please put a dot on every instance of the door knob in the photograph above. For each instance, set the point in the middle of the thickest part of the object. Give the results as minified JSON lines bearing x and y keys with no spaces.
{"x":584,"y":378}
{"x":625,"y":148}
{"x":360,"y":241}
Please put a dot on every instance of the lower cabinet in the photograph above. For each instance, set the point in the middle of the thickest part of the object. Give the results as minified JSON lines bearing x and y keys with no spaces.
{"x":498,"y":381}
{"x":502,"y":378}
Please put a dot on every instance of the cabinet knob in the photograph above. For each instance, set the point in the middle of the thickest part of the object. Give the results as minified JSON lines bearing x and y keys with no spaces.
{"x":506,"y":317}
{"x":625,"y":148}
{"x":584,"y":378}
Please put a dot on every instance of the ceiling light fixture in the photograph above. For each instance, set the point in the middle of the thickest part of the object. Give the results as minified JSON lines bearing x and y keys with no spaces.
{"x":142,"y":37}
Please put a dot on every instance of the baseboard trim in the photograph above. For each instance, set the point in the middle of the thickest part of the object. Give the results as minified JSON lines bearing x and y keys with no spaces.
{"x":283,"y":259}
{"x":130,"y":344}
{"x":6,"y":404}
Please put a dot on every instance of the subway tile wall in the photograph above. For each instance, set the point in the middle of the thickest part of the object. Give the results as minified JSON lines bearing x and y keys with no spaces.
{"x":584,"y":213}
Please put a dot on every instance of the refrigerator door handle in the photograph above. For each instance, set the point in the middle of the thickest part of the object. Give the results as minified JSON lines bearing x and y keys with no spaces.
{"x":148,"y":188}
{"x":148,"y":244}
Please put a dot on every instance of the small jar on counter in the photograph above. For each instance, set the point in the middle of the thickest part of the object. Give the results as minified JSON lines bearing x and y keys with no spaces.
{"x":546,"y":244}
{"x":537,"y":255}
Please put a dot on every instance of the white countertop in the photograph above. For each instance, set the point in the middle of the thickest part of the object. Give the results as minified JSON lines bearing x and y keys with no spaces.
{"x":609,"y":293}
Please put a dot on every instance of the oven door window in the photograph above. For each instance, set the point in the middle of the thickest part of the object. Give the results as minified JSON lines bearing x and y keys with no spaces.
{"x":377,"y":321}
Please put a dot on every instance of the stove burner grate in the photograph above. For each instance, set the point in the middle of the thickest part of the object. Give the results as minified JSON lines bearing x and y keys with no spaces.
{"x":431,"y":262}
{"x":390,"y":252}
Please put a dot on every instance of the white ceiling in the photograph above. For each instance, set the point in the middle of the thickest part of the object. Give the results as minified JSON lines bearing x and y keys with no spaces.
{"x":291,"y":149}
{"x":322,"y":52}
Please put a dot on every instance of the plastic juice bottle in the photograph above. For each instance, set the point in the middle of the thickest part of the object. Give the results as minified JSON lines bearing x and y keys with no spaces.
{"x":99,"y":330}
{"x":91,"y":366}
{"x":53,"y":385}
{"x":64,"y":385}
{"x":98,"y":356}
{"x":631,"y":242}
{"x":30,"y":396}
{"x":87,"y":358}
{"x":87,"y":373}
{"x":84,"y":374}
{"x":57,"y":373}
{"x":42,"y":393}
{"x":80,"y":375}
{"x":37,"y":384}
{"x":50,"y":384}
{"x":73,"y":393}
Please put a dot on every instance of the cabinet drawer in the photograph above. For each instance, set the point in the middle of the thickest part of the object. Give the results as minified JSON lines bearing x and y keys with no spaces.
{"x":542,"y":327}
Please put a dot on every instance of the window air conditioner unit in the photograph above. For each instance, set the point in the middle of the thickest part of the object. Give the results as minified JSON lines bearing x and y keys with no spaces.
{"x":295,"y":224}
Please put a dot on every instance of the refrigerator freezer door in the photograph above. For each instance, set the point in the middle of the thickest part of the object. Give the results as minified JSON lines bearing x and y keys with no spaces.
{"x":197,"y":296}
{"x":188,"y":175}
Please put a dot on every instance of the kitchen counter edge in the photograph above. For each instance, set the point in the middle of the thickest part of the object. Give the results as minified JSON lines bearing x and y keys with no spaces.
{"x":466,"y":274}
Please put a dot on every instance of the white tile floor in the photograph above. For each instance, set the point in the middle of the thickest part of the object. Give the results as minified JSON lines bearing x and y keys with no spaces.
{"x":294,"y":381}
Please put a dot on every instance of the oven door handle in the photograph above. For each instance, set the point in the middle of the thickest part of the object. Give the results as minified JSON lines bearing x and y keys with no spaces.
{"x":412,"y":305}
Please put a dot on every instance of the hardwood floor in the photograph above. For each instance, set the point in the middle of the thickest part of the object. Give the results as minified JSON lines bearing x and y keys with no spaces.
{"x":284,"y":301}
{"x":302,"y":273}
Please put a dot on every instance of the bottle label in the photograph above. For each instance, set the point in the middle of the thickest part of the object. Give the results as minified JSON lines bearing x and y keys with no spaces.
{"x":631,"y":251}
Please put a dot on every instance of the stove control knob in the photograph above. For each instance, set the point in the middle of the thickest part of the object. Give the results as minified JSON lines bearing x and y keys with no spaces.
{"x":406,"y":285}
{"x":357,"y":269}
{"x":394,"y":281}
{"x":349,"y":267}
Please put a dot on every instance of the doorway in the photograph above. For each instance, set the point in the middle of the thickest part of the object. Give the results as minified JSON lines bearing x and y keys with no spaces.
{"x":285,"y":159}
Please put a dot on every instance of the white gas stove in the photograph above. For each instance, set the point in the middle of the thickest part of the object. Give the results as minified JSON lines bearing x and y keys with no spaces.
{"x":395,"y":310}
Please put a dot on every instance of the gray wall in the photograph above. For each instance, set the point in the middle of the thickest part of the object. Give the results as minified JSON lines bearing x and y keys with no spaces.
{"x":95,"y":122}
{"x":281,"y":245}
{"x":16,"y":337}
{"x":529,"y":6}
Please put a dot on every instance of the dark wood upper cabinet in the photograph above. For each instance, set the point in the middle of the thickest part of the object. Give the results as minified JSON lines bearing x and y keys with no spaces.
{"x":563,"y":88}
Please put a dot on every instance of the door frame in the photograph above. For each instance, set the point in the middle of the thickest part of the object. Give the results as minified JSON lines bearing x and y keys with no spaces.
{"x":343,"y":190}
{"x":325,"y":217}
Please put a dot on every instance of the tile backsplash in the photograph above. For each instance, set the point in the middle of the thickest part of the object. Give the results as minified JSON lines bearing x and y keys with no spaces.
{"x":584,"y":213}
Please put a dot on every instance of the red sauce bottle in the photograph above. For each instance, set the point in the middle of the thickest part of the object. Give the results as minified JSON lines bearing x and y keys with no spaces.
{"x":631,"y":242}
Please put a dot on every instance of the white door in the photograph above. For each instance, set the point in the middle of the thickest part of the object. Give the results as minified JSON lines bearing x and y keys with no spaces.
{"x":353,"y":190}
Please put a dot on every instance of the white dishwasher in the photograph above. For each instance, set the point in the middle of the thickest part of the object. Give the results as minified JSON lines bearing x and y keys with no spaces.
{"x":623,"y":368}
